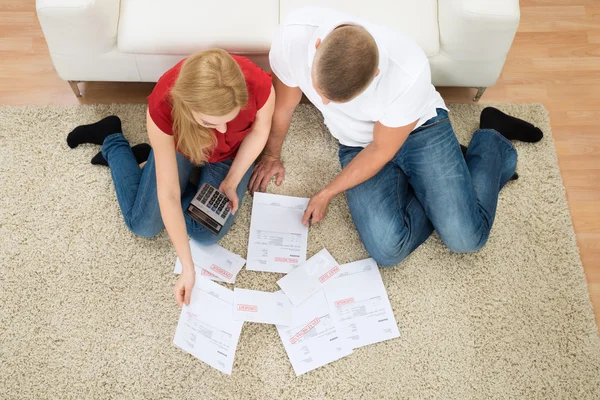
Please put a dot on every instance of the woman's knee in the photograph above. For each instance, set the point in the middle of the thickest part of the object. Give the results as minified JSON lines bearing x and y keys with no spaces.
{"x":144,"y":228}
{"x":204,"y":237}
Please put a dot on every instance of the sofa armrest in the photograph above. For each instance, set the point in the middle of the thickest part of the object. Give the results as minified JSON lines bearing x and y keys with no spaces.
{"x":79,"y":26}
{"x":480,"y":30}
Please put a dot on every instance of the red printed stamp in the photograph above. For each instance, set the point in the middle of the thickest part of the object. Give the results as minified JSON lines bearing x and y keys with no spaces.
{"x":329,"y":274}
{"x":286,"y":260}
{"x":247,"y":307}
{"x":304,"y":330}
{"x":204,"y":272}
{"x":221,"y":271}
{"x":344,"y":301}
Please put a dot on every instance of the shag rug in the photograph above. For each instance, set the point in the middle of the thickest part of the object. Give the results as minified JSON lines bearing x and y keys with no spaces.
{"x":87,"y":310}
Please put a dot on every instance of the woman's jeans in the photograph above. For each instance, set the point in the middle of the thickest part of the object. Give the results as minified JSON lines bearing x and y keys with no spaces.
{"x":138,"y":198}
{"x":430,"y":185}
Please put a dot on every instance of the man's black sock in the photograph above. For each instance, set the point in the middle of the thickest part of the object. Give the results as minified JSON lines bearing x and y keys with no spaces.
{"x":140,"y":151}
{"x":94,"y":133}
{"x":510,"y":127}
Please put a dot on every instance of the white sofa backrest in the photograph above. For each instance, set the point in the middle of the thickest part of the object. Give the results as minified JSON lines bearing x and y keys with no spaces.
{"x":138,"y":40}
{"x":187,"y":26}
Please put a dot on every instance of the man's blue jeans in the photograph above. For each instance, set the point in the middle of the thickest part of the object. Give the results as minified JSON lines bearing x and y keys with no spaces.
{"x":430,"y":185}
{"x":137,"y":194}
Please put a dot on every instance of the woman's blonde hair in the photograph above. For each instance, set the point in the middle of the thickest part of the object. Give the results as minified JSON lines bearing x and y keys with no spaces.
{"x":212,"y":83}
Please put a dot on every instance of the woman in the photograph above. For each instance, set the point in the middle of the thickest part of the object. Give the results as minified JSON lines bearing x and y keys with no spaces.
{"x":213,"y":110}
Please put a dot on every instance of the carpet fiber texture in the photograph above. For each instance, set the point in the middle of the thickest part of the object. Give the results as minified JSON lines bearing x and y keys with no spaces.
{"x":87,"y":309}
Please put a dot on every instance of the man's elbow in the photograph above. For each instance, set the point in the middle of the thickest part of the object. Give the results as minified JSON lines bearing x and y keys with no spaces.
{"x":384,"y":154}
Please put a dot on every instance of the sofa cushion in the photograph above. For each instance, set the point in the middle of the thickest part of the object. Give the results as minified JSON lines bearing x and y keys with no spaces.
{"x":417,"y":18}
{"x":187,"y":26}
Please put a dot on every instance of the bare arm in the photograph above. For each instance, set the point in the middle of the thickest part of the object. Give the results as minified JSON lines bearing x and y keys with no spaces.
{"x":249,"y":150}
{"x":169,"y":199}
{"x":269,"y":163}
{"x":386,"y":143}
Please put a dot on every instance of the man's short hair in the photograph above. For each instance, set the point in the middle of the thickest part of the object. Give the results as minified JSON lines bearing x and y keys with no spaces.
{"x":346,"y":63}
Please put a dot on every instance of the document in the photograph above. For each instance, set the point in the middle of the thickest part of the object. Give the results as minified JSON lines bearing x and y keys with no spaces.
{"x":360,"y":305}
{"x":305,"y":280}
{"x":277,"y":237}
{"x":313,"y":339}
{"x":206,"y":328}
{"x":265,"y":307}
{"x":214,"y":262}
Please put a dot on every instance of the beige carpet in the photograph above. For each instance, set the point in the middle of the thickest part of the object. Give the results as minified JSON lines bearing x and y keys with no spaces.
{"x":87,"y":309}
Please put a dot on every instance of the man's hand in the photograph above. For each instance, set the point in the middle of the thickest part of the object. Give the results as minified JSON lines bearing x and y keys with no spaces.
{"x":184,"y":286}
{"x":317,"y":208}
{"x":229,"y":190}
{"x":266,"y":168}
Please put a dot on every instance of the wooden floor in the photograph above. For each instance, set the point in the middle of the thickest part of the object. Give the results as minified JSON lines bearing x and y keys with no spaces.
{"x":555,"y":60}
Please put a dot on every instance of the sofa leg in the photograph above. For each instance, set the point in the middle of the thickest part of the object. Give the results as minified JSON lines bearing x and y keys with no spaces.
{"x":480,"y":91}
{"x":75,"y":88}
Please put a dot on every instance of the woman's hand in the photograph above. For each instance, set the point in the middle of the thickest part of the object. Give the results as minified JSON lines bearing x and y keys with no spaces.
{"x":229,"y":189}
{"x":317,"y":208}
{"x":184,"y":286}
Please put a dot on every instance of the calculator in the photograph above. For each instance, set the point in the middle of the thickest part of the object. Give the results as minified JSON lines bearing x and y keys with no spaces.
{"x":210,"y":208}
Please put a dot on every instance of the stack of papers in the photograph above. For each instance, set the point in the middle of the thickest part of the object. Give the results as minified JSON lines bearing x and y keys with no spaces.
{"x":214,"y":262}
{"x":322,"y":313}
{"x":349,"y":309}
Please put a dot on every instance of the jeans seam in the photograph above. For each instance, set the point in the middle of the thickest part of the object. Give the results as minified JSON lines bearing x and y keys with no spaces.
{"x":143,"y":193}
{"x":133,"y":213}
{"x":409,"y":204}
{"x":398,"y":194}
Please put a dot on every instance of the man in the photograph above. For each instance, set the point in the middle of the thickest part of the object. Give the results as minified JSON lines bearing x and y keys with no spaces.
{"x":403,"y":170}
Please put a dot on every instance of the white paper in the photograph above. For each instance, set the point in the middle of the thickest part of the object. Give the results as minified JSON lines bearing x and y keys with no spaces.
{"x":305,"y":280}
{"x":206,"y":328}
{"x":278,"y":239}
{"x":265,"y":307}
{"x":360,"y":305}
{"x":214,"y":262}
{"x":313,"y":340}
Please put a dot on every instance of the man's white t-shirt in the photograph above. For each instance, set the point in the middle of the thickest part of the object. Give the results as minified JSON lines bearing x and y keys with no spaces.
{"x":401,"y":94}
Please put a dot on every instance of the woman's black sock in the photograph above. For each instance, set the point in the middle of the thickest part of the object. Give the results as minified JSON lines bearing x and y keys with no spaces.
{"x":510,"y":127}
{"x":94,"y":133}
{"x":140,"y":151}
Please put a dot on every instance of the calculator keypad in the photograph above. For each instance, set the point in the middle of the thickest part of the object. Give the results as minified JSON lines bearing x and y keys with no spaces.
{"x":214,"y":200}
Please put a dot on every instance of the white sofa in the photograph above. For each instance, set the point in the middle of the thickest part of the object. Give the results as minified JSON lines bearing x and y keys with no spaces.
{"x":138,"y":40}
